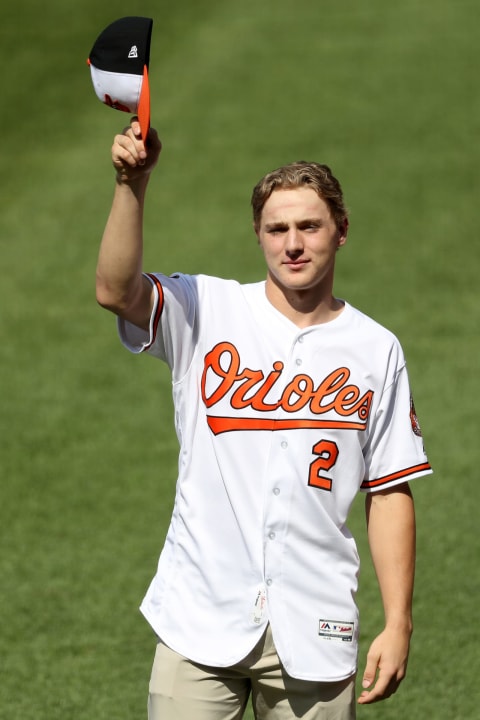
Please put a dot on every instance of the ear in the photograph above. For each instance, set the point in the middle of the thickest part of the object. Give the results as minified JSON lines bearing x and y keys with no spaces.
{"x":342,"y":233}
{"x":255,"y":230}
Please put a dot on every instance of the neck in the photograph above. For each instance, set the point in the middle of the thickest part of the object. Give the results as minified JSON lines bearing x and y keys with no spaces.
{"x":304,"y":307}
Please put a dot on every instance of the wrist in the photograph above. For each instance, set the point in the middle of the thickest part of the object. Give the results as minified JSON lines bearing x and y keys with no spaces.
{"x":134,"y":182}
{"x":400,"y":623}
{"x":128,"y":189}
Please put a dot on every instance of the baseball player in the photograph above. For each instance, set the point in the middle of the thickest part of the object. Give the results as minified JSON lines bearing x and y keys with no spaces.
{"x":288,"y":402}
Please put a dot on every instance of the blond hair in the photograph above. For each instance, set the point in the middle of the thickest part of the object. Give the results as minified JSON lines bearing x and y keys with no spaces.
{"x":301,"y":174}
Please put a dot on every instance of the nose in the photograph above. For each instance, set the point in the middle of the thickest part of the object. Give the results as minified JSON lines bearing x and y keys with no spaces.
{"x":293,"y":241}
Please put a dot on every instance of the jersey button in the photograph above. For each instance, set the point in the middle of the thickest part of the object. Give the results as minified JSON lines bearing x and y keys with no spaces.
{"x":269,"y":581}
{"x":271,"y":535}
{"x":284,"y":444}
{"x":276,"y":491}
{"x":300,"y":339}
{"x":298,"y":361}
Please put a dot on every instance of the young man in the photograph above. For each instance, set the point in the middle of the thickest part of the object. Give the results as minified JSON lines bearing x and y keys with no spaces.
{"x":288,"y":401}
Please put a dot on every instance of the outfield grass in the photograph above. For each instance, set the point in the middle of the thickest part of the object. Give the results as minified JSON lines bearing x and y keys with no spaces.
{"x":384,"y":92}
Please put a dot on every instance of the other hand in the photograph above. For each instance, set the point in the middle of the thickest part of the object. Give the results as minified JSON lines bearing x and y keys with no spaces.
{"x":386,"y":665}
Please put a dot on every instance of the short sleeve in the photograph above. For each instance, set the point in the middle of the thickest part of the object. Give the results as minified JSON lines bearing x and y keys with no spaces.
{"x":173,"y":331}
{"x":395,"y":452}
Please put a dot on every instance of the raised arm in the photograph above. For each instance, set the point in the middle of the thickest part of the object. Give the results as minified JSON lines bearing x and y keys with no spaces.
{"x":391,"y":534}
{"x":120,"y":285}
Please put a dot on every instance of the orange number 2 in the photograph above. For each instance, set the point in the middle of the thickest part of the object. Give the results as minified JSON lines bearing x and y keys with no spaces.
{"x":327,"y":452}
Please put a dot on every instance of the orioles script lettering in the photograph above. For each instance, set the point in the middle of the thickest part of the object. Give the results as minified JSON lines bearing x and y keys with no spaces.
{"x":249,"y":388}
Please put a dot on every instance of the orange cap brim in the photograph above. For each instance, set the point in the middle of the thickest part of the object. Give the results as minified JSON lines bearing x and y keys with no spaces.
{"x":143,"y":111}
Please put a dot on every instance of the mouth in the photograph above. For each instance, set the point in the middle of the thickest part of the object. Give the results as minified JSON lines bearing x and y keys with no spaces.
{"x":296,"y":264}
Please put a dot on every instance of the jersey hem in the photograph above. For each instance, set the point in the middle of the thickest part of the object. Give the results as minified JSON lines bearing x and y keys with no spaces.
{"x":194,"y":657}
{"x":231,"y":662}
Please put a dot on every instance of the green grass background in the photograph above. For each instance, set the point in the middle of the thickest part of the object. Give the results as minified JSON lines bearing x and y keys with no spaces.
{"x":387,"y":94}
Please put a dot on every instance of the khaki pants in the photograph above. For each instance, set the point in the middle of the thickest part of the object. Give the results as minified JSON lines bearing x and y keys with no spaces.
{"x":183,"y":690}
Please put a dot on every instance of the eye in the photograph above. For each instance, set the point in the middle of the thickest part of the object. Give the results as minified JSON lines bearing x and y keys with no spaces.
{"x":311,"y":227}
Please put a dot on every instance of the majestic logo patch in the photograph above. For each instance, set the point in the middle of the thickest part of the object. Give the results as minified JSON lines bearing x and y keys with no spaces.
{"x":414,"y":420}
{"x":335,"y":630}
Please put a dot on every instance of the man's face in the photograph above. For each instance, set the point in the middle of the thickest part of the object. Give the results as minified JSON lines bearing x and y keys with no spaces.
{"x":299,"y":239}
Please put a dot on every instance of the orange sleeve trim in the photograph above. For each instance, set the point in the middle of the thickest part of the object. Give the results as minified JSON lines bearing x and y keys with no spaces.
{"x":423,"y":467}
{"x":158,"y":308}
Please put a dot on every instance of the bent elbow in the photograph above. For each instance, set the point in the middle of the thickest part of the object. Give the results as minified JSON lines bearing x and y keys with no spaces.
{"x":108,"y":299}
{"x":132,"y":302}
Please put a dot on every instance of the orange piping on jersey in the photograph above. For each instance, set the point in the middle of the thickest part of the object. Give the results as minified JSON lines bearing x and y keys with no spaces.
{"x":158,"y":310}
{"x":396,"y":476}
{"x":226,"y":424}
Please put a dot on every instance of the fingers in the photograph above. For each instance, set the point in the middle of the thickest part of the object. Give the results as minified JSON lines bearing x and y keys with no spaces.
{"x":371,"y":667}
{"x":128,"y":149}
{"x":131,"y":157}
{"x":385,"y":686}
{"x":384,"y":670}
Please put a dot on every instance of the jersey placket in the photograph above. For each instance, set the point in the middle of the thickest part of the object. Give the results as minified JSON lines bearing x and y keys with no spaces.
{"x":280,"y":480}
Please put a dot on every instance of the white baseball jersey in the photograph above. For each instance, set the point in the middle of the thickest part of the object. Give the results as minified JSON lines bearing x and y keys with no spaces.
{"x":279,"y":428}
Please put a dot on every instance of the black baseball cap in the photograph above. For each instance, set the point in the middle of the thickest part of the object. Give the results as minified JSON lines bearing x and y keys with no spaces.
{"x":119,"y":63}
